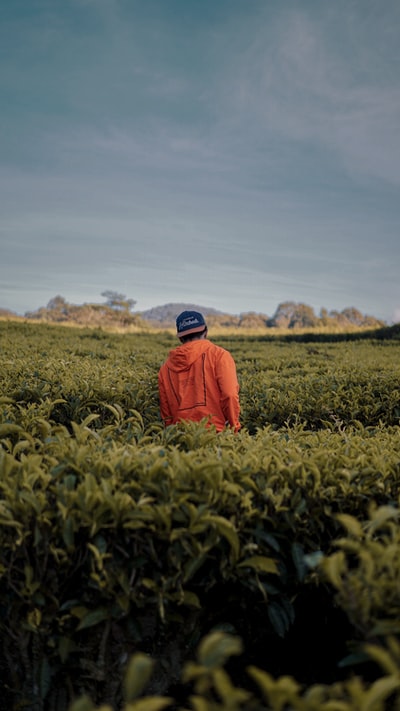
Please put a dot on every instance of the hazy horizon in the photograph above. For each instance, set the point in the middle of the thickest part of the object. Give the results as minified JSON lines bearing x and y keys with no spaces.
{"x":202,"y":308}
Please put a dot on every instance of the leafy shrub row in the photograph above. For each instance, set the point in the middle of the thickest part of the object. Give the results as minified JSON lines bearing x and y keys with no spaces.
{"x":124,"y":542}
{"x":281,"y":382}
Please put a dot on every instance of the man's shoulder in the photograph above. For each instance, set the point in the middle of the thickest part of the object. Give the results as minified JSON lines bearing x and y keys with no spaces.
{"x":218,"y":350}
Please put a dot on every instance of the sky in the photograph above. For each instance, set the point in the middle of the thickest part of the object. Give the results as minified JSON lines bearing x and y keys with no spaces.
{"x":234,"y":154}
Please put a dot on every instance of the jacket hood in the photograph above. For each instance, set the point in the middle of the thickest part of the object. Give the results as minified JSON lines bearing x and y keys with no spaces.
{"x":185,"y":355}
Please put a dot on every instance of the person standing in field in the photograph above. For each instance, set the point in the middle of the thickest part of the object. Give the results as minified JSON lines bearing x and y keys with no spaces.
{"x":198,"y":380}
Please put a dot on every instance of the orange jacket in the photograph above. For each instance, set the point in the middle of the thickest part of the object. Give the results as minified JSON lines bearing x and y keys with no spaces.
{"x":199,"y":380}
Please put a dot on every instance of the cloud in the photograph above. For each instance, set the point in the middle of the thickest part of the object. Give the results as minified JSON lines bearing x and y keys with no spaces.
{"x":246,"y":152}
{"x":295,"y":83}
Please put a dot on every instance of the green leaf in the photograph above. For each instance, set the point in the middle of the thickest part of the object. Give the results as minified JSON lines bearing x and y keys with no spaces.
{"x":192,"y":566}
{"x":279,"y":618}
{"x":298,"y":559}
{"x":231,"y":696}
{"x":378,"y":692}
{"x":383,"y":658}
{"x":152,"y":703}
{"x":9,"y":428}
{"x":216,"y":648}
{"x":381,"y":516}
{"x":226,"y":529}
{"x":93,"y":618}
{"x":65,"y":647}
{"x":199,"y":703}
{"x":137,"y":675}
{"x":84,"y":703}
{"x":352,"y":525}
{"x":263,"y":679}
{"x":45,"y":678}
{"x":260,"y":563}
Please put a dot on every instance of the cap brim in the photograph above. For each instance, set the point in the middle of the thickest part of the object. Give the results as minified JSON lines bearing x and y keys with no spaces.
{"x":198,"y":329}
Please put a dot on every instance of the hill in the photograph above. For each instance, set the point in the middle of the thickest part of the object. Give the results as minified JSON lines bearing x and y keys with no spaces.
{"x":167,"y":313}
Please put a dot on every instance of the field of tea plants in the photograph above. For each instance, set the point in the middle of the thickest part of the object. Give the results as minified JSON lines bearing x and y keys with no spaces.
{"x":144,"y":568}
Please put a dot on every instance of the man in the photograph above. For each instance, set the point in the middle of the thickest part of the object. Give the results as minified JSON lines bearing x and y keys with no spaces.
{"x":198,"y":379}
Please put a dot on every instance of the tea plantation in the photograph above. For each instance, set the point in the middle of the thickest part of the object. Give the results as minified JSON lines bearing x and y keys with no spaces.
{"x":144,"y":568}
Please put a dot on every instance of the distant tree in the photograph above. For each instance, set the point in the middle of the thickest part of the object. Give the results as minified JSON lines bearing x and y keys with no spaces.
{"x":372,"y":322}
{"x":292,"y":315}
{"x":324,"y":316}
{"x":221,"y":319}
{"x":339,"y":318}
{"x":283,"y":315}
{"x":57,"y":303}
{"x":117,"y":301}
{"x":353,"y":316}
{"x":251,"y":319}
{"x":304,"y":317}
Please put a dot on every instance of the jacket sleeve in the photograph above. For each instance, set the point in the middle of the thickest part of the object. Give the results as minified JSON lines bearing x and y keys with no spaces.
{"x":165,"y":411}
{"x":229,"y":388}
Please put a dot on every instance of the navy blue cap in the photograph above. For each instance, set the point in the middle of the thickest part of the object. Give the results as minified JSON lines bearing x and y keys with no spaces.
{"x":190,"y":322}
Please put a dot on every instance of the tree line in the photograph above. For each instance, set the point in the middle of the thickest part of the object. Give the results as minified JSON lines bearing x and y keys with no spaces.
{"x":117,"y":310}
